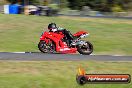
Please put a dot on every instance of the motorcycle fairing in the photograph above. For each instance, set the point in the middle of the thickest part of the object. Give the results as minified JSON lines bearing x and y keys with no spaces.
{"x":80,"y":33}
{"x":57,"y":39}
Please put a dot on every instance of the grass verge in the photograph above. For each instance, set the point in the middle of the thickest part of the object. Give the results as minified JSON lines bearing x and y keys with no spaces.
{"x":57,"y":74}
{"x":109,"y":36}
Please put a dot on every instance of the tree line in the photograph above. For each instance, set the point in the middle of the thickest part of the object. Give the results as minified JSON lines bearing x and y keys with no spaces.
{"x":98,"y":5}
{"x":102,"y":5}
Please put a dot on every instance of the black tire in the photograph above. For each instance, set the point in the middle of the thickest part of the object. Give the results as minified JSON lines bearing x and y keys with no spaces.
{"x":85,"y":50}
{"x":81,"y":80}
{"x":46,"y":48}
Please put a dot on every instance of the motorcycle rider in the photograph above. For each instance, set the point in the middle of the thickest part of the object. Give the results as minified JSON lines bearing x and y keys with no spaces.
{"x":69,"y":38}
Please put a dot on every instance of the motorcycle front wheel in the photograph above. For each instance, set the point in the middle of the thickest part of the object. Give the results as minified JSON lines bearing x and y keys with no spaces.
{"x":85,"y":49}
{"x":46,"y":48}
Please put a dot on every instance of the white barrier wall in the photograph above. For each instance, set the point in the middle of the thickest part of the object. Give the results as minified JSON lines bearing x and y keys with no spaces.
{"x":6,"y":9}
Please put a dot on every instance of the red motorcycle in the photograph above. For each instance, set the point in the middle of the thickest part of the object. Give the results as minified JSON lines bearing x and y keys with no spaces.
{"x":51,"y":42}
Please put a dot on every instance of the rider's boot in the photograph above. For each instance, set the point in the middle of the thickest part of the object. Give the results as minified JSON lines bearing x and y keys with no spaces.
{"x":74,"y":41}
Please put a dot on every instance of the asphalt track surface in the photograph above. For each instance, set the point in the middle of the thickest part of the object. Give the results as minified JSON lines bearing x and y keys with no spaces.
{"x":60,"y":57}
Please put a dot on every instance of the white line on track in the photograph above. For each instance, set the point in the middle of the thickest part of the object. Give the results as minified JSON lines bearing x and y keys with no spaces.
{"x":90,"y":54}
{"x":17,"y":52}
{"x":116,"y":55}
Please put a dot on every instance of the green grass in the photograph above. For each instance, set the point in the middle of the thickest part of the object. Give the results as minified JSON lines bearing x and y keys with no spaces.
{"x":109,"y":36}
{"x":57,"y":74}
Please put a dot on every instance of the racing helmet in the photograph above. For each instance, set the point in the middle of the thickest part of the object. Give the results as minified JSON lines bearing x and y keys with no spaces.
{"x":52,"y":27}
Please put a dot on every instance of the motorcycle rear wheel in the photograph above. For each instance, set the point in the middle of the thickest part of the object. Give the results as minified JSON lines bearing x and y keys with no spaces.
{"x":46,"y":48}
{"x":85,"y":49}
